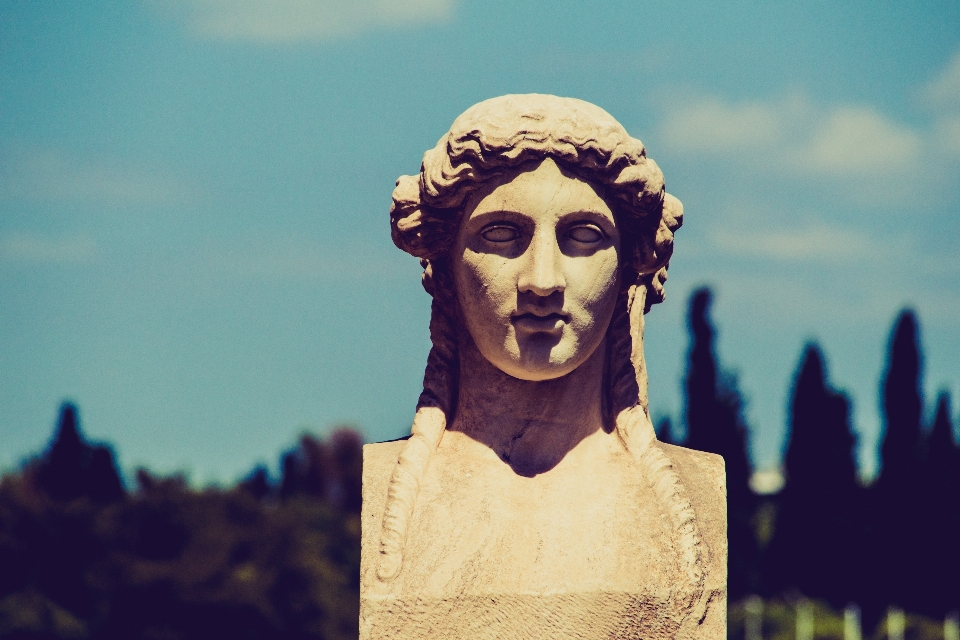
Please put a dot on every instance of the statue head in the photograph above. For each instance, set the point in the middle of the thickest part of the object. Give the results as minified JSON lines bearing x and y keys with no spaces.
{"x":466,"y":212}
{"x":544,"y":232}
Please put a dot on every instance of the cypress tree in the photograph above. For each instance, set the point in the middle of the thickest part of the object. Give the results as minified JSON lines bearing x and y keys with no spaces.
{"x":814,"y":542}
{"x":897,"y":508}
{"x":715,"y":424}
{"x":902,"y":408}
{"x":942,"y":508}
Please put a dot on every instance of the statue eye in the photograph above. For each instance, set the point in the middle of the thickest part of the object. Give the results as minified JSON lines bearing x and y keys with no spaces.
{"x":585,"y":233}
{"x":500,"y":233}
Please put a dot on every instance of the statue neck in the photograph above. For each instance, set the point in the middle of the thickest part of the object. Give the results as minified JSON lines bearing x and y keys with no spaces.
{"x":530,"y":425}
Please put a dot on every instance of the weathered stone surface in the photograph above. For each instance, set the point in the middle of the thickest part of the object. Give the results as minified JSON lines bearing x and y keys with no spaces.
{"x":579,"y":553}
{"x":532,"y":499}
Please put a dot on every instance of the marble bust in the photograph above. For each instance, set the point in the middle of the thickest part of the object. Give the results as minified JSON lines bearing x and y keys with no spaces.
{"x":532,"y":498}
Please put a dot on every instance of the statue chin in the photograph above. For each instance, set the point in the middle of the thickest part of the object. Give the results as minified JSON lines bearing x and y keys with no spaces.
{"x":539,"y":357}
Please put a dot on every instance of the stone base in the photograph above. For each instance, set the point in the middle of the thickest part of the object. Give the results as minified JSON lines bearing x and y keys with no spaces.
{"x":587,"y":616}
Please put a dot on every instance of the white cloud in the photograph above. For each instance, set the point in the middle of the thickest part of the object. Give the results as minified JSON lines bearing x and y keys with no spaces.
{"x":714,"y":126}
{"x":817,"y":242}
{"x":868,"y":152}
{"x":49,"y":175}
{"x":790,"y":135}
{"x":278,"y":21}
{"x":947,"y":134}
{"x":37,"y":249}
{"x":943,"y":91}
{"x":942,"y":96}
{"x":859,"y":140}
{"x":871,"y":158}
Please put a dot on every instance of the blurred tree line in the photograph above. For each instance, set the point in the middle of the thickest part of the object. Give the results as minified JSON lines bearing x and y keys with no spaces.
{"x":83,"y":556}
{"x":825,"y":535}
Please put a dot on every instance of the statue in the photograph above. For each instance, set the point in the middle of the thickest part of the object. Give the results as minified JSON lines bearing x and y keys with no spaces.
{"x":532,"y":499}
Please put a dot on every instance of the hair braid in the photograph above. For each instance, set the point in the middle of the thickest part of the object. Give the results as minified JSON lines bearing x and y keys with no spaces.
{"x":436,"y":404}
{"x":635,"y":430}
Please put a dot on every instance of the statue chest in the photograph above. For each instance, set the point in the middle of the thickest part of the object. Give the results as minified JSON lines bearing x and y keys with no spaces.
{"x":573,"y":547}
{"x":482,"y":528}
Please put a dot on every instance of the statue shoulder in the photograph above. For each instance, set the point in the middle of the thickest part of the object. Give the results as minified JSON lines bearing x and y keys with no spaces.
{"x":704,"y":477}
{"x":379,"y":459}
{"x":699,"y":465}
{"x":377,"y":453}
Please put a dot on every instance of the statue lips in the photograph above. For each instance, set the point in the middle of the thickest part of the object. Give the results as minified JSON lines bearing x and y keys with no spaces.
{"x":536,"y":323}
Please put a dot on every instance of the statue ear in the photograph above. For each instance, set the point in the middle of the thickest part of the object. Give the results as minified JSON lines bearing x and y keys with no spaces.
{"x":672,"y":212}
{"x":427,"y":278}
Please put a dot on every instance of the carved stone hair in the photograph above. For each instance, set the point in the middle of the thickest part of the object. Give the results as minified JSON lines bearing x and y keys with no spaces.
{"x":489,"y":139}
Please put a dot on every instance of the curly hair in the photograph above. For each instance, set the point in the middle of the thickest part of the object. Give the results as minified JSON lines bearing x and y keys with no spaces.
{"x":489,"y":139}
{"x":486,"y":141}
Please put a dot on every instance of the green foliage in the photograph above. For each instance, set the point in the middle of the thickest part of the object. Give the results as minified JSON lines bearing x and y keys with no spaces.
{"x":172,"y":562}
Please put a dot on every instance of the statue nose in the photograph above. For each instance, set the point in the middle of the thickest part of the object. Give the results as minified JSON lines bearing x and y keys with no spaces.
{"x":542,"y":273}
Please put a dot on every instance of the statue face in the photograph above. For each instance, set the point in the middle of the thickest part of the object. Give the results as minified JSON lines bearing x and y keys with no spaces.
{"x":536,"y":270}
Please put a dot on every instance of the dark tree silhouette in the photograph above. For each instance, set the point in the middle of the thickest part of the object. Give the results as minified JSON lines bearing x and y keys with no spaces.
{"x":172,"y":561}
{"x":941,"y":527}
{"x":664,"y":430}
{"x":61,"y":471}
{"x":330,"y":471}
{"x":71,"y":468}
{"x":896,"y":573}
{"x":715,"y":423}
{"x":104,"y":479}
{"x":257,"y":483}
{"x":346,"y":459}
{"x":814,"y":542}
{"x":902,"y":407}
{"x":305,"y":470}
{"x":942,"y":448}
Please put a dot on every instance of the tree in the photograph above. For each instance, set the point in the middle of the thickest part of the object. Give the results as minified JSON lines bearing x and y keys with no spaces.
{"x":171,"y":561}
{"x":896,"y":573}
{"x":330,"y":471}
{"x":72,"y":468}
{"x":257,"y":483}
{"x":902,"y":408}
{"x":715,"y":424}
{"x":941,"y":527}
{"x":814,"y":542}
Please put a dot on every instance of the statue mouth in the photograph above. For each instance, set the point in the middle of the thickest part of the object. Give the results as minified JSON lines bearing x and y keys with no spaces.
{"x":532,"y":322}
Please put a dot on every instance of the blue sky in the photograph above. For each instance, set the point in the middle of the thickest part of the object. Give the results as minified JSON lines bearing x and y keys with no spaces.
{"x":194,"y":240}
